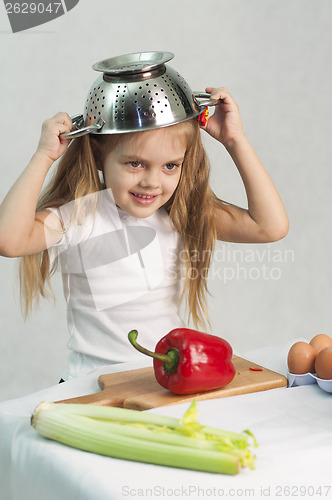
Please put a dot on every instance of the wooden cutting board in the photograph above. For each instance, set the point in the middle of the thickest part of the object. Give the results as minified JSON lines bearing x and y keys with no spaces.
{"x":139,"y":390}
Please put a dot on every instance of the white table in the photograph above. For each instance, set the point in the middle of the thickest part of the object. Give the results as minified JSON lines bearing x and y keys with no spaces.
{"x":294,"y":459}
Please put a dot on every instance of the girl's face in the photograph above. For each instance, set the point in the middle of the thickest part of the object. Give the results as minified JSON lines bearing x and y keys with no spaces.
{"x":144,"y":171}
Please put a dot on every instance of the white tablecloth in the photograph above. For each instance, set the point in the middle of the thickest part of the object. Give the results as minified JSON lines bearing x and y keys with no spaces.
{"x":292,"y":425}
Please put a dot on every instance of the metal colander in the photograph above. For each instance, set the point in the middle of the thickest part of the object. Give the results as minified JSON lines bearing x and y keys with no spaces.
{"x":137,"y":92}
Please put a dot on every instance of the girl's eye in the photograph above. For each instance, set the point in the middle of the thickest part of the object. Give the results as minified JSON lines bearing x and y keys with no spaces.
{"x":170,"y":167}
{"x":135,"y":164}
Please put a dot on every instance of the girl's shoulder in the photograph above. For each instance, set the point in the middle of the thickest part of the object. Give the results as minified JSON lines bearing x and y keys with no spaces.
{"x":86,"y":217}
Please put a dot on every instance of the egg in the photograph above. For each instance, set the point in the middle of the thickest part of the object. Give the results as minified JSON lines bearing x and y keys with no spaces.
{"x":323,"y":363}
{"x":320,"y":342}
{"x":301,"y":358}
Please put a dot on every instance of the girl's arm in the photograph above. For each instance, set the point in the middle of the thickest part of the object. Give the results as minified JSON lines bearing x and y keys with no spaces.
{"x":22,"y":231}
{"x":265,"y":219}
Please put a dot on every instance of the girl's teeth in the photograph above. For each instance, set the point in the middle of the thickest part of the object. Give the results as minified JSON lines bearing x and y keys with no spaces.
{"x":143,"y":196}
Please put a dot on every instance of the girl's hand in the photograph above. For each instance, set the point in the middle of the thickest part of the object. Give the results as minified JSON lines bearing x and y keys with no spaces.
{"x":50,"y":145}
{"x":225,"y":124}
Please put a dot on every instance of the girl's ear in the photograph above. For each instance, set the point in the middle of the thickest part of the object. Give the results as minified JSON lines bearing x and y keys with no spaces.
{"x":97,"y":152}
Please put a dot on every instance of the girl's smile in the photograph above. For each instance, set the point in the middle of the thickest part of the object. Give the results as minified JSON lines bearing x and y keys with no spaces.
{"x":143,"y":199}
{"x":144,"y":171}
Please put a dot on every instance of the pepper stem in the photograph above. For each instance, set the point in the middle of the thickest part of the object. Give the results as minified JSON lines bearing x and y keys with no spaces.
{"x":170,"y":359}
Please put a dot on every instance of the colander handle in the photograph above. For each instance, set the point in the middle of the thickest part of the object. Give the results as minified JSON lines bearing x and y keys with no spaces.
{"x":78,"y":121}
{"x":203,"y":99}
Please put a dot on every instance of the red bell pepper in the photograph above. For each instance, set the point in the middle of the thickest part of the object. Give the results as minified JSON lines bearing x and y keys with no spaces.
{"x":187,"y":361}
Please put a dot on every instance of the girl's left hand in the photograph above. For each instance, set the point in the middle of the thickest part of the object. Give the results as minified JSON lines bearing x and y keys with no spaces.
{"x":225,"y":124}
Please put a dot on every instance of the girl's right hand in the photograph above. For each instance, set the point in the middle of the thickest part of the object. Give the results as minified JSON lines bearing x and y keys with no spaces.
{"x":50,"y":145}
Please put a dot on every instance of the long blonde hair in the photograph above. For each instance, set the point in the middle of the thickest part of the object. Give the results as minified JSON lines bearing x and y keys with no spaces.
{"x":191,"y":209}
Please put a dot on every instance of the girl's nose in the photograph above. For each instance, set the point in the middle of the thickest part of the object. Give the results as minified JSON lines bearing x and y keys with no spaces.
{"x":150,"y":179}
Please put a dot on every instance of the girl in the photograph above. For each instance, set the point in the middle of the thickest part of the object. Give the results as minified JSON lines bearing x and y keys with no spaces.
{"x":125,"y":217}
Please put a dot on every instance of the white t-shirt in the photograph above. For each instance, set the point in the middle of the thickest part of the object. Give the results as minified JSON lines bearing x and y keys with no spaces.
{"x":119,"y":273}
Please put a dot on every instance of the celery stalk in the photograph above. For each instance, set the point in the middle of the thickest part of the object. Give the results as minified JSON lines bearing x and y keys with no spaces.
{"x":126,"y":415}
{"x":110,"y":413}
{"x":144,"y":437}
{"x":164,"y":435}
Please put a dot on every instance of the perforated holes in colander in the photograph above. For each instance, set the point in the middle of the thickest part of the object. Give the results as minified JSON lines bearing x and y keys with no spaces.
{"x":94,"y":103}
{"x":145,"y":97}
{"x":174,"y":88}
{"x":120,"y":102}
{"x":157,"y":97}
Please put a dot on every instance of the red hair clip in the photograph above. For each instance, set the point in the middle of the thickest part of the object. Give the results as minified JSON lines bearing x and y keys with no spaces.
{"x":203,"y":117}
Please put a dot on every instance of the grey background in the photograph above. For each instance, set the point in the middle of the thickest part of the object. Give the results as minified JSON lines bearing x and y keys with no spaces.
{"x":275,"y":57}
